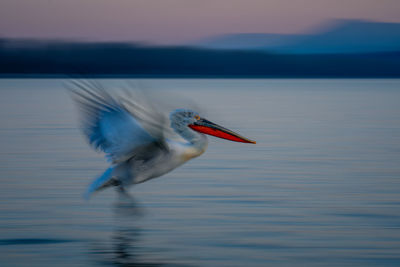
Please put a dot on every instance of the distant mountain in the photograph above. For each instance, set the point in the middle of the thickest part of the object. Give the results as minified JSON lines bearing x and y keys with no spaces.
{"x":247,"y":41}
{"x":338,"y":36}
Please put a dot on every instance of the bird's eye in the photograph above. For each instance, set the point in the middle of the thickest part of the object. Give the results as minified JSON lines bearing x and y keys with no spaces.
{"x":197,"y":117}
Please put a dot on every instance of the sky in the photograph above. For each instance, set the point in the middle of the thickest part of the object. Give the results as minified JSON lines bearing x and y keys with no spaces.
{"x":178,"y":21}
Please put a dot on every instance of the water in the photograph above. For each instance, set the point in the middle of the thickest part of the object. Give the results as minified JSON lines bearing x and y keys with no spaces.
{"x":320,"y":188}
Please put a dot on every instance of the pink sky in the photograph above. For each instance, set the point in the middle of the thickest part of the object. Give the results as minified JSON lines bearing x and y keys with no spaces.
{"x":178,"y":21}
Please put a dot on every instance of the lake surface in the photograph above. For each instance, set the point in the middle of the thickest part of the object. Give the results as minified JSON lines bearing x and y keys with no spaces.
{"x":320,"y":188}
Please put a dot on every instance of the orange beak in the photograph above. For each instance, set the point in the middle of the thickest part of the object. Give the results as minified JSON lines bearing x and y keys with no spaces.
{"x":207,"y":127}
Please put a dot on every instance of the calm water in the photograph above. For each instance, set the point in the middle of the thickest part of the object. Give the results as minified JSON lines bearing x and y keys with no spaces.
{"x":320,"y":188}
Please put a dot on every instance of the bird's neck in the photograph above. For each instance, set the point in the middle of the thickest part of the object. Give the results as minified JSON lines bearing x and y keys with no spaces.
{"x":195,"y":146}
{"x":197,"y":142}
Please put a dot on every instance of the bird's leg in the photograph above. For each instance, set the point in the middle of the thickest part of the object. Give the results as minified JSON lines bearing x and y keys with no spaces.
{"x":126,"y":203}
{"x":123,"y":194}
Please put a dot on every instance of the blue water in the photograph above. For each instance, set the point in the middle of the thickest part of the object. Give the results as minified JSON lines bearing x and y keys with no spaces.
{"x":320,"y":188}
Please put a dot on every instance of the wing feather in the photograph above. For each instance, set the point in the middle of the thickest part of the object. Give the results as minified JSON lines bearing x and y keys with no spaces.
{"x":119,"y":126}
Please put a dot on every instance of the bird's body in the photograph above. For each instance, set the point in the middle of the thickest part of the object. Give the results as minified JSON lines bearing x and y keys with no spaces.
{"x":133,"y":134}
{"x":158,"y":162}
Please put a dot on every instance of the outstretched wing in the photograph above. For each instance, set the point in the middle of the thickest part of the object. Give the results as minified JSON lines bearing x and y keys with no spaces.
{"x":120,"y":127}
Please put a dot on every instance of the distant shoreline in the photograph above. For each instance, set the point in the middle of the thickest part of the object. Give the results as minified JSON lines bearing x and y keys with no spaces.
{"x":28,"y":59}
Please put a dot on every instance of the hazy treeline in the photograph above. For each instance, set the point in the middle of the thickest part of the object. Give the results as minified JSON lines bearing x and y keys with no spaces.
{"x":92,"y":59}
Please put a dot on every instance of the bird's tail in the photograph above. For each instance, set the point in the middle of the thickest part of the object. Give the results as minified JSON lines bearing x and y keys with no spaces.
{"x":104,"y":181}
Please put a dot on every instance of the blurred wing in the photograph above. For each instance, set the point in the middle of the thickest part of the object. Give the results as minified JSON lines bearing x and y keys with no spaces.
{"x":110,"y":127}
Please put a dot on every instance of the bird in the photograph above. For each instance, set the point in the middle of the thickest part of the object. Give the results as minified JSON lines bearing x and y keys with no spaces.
{"x":135,"y":135}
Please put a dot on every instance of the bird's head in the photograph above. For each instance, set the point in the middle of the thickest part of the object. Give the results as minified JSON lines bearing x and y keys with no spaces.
{"x":183,"y":118}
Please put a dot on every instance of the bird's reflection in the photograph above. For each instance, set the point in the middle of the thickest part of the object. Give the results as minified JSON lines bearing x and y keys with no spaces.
{"x":123,"y":248}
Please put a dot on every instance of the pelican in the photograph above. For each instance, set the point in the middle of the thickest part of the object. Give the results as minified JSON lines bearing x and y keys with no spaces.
{"x":133,"y":135}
